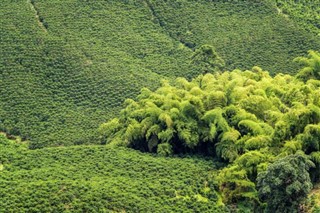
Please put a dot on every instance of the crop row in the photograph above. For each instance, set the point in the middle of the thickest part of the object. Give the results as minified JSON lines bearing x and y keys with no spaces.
{"x":101,"y":179}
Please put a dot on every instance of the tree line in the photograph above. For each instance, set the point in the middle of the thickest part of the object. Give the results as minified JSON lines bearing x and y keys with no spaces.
{"x":261,"y":126}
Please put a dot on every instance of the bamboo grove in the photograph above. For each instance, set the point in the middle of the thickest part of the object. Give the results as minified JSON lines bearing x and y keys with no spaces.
{"x":247,"y":119}
{"x":210,"y":141}
{"x":66,"y":66}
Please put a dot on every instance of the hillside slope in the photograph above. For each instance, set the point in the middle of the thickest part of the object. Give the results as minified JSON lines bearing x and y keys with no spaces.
{"x":100,"y":179}
{"x":245,"y":33}
{"x":66,"y":66}
{"x":304,"y":12}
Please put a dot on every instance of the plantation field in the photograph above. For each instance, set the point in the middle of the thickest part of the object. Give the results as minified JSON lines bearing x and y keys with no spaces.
{"x":244,"y":33}
{"x":66,"y":66}
{"x":159,"y":106}
{"x":306,"y":13}
{"x":101,"y":179}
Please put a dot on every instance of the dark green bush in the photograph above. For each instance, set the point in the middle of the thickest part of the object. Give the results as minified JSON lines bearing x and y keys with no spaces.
{"x":286,"y":183}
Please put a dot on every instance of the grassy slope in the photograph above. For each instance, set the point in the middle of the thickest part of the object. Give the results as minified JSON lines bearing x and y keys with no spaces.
{"x":101,"y":179}
{"x":66,"y":66}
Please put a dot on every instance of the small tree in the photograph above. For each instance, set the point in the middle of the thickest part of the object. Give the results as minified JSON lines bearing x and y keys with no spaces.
{"x":207,"y":59}
{"x":286,"y":183}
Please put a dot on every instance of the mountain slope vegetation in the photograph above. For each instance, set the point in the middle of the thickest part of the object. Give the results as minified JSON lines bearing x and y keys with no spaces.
{"x":66,"y":66}
{"x":84,"y":83}
{"x":267,"y":129}
{"x":101,"y":179}
{"x":306,"y":13}
{"x":245,"y":33}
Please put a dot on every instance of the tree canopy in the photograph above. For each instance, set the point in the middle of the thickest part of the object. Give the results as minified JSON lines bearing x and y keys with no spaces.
{"x":285,"y":183}
{"x":207,"y":59}
{"x":247,"y":119}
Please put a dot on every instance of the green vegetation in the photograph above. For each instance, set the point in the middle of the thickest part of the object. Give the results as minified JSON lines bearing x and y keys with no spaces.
{"x":248,"y":119}
{"x":304,"y":12}
{"x":311,"y":69}
{"x":58,"y":83}
{"x":245,"y":33}
{"x":101,"y":179}
{"x":313,"y":202}
{"x":210,"y":140}
{"x":66,"y":66}
{"x":286,"y":183}
{"x":207,"y":59}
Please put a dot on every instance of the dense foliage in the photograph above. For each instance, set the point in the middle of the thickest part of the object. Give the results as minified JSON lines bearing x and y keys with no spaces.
{"x":58,"y":83}
{"x":67,"y":66}
{"x":248,"y":119}
{"x":311,"y":66}
{"x":285,"y":183}
{"x":305,"y":12}
{"x":101,"y":179}
{"x":245,"y":33}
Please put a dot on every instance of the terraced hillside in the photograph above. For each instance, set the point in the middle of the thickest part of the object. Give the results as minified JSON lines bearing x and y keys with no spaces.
{"x":100,"y":179}
{"x":66,"y":66}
